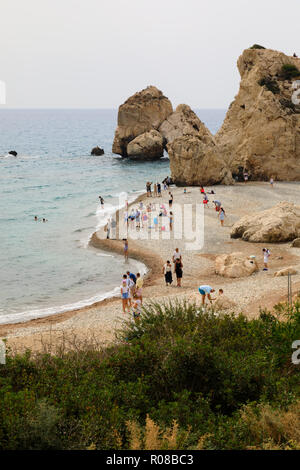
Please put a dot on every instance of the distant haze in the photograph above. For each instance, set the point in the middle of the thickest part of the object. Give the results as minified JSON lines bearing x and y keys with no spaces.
{"x":96,"y":53}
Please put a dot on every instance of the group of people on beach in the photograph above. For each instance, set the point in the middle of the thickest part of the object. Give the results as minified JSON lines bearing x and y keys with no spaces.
{"x":149,"y":216}
{"x":157,"y":187}
{"x":132,"y":294}
{"x":178,"y":269}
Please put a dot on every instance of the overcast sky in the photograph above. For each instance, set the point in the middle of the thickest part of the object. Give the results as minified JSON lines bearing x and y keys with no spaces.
{"x":96,"y":53}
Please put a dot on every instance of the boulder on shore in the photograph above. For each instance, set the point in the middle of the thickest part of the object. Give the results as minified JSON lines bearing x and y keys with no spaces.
{"x":281,"y":223}
{"x":296,"y":243}
{"x":142,"y":112}
{"x":147,"y":146}
{"x":285,"y":271}
{"x":97,"y":151}
{"x":235,"y":265}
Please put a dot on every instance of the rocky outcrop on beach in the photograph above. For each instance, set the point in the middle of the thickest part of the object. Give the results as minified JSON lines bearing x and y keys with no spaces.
{"x":147,"y":146}
{"x":296,"y":243}
{"x":281,"y":223}
{"x":285,"y":271}
{"x":235,"y":265}
{"x":196,"y":160}
{"x":142,"y":112}
{"x":182,"y":122}
{"x":261,"y":131}
{"x":97,"y":151}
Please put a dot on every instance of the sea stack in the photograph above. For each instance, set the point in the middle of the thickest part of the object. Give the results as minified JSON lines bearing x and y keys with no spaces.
{"x":141,"y":113}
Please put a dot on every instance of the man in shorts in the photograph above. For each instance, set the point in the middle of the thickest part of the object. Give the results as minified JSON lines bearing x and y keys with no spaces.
{"x":205,"y":290}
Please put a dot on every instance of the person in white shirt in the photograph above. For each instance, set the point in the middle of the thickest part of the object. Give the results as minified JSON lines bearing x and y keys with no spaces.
{"x":266,"y":253}
{"x":176,"y":255}
{"x":131,"y":287}
{"x":124,"y":295}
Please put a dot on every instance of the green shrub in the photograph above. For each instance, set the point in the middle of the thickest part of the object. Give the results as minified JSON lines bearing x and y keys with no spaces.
{"x":257,"y":46}
{"x":289,"y":71}
{"x":177,"y":365}
{"x":270,"y":84}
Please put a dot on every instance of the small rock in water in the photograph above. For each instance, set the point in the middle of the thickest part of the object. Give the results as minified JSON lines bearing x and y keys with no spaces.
{"x":97,"y":151}
{"x":13,"y":152}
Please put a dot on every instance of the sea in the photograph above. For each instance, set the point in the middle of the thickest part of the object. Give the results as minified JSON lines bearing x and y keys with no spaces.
{"x":49,"y":267}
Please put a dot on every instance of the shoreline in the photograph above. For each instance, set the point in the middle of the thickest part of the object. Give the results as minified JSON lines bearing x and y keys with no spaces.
{"x":150,"y":260}
{"x":249,"y":294}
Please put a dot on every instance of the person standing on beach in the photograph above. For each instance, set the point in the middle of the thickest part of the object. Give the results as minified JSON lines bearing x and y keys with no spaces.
{"x":176,"y":255}
{"x":158,"y":189}
{"x":178,"y":271}
{"x":217,"y":205}
{"x":126,"y":249}
{"x":222,"y":216}
{"x":170,"y":199}
{"x":101,"y":202}
{"x":167,"y":271}
{"x":171,"y":221}
{"x":124,"y":295}
{"x":155,"y":190}
{"x":204,"y":291}
{"x":139,"y":287}
{"x":271,"y":182}
{"x":148,"y":189}
{"x":246,"y":176}
{"x":267,"y":254}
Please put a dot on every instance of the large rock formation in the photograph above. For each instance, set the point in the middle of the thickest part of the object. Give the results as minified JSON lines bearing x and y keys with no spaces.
{"x":281,"y":223}
{"x":142,"y":112}
{"x":182,"y":122}
{"x":235,"y":265}
{"x":195,"y":159}
{"x":147,"y":146}
{"x":261,"y":131}
{"x":194,"y":156}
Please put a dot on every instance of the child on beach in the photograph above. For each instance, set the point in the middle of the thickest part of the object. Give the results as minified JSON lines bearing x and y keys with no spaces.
{"x":124,"y":295}
{"x":267,"y":254}
{"x":136,"y":308}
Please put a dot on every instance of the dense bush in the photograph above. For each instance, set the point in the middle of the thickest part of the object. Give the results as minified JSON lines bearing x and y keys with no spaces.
{"x":270,"y":84}
{"x":257,"y":46}
{"x":187,"y":378}
{"x":289,"y":71}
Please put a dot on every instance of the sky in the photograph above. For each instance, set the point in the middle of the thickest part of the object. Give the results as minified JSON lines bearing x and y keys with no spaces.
{"x":97,"y":53}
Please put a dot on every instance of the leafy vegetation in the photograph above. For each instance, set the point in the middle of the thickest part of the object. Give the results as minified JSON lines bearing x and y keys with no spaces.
{"x":179,"y":379}
{"x":270,"y":84}
{"x":257,"y":46}
{"x":289,"y":71}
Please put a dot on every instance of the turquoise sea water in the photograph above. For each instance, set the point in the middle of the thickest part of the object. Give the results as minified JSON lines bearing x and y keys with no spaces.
{"x":48,"y":267}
